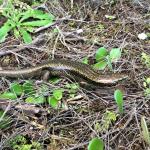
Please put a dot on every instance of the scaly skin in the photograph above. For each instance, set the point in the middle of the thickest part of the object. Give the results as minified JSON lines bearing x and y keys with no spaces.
{"x":58,"y":67}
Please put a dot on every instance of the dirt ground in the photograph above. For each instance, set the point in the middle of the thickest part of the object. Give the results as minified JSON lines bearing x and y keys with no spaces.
{"x":82,"y":27}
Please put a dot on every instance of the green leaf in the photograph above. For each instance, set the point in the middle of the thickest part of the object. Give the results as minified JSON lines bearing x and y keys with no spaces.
{"x":58,"y":94}
{"x":40,"y":100}
{"x":30,"y":29}
{"x":101,"y":53}
{"x":85,"y":60}
{"x":26,"y":36}
{"x":54,"y":80}
{"x":8,"y":95}
{"x":119,"y":100}
{"x":73,"y":86}
{"x":4,"y":31}
{"x":72,"y":89}
{"x":56,"y":30}
{"x":148,"y":80}
{"x":38,"y":14}
{"x":16,"y":33}
{"x":100,"y":65}
{"x":115,"y":54}
{"x":41,"y":15}
{"x":43,"y":89}
{"x":28,"y":88}
{"x":35,"y":100}
{"x":96,"y":144}
{"x":37,"y":23}
{"x":53,"y":102}
{"x":30,"y":100}
{"x":16,"y":88}
{"x":145,"y":132}
{"x":26,"y":15}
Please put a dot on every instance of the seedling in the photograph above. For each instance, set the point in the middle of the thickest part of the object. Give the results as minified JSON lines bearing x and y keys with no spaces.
{"x":145,"y":58}
{"x":119,"y":100}
{"x":108,"y":118}
{"x":146,"y":85}
{"x":55,"y":98}
{"x":105,"y":58}
{"x":18,"y":22}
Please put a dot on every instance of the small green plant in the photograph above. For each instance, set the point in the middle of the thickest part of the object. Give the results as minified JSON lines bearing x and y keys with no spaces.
{"x":32,"y":95}
{"x":55,"y":98}
{"x":21,"y":143}
{"x":100,"y":27}
{"x":22,"y":23}
{"x":54,"y":80}
{"x":72,"y":89}
{"x":146,"y":85}
{"x":27,"y":89}
{"x":107,"y":119}
{"x":119,"y":100}
{"x":105,"y":58}
{"x":96,"y":144}
{"x":145,"y":133}
{"x":145,"y":58}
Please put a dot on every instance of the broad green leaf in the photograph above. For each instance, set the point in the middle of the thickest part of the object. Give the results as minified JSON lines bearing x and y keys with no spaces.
{"x":53,"y":102}
{"x":100,"y":65}
{"x":4,"y":31}
{"x":119,"y":100}
{"x":101,"y":53}
{"x":28,"y":88}
{"x":38,"y":14}
{"x":16,"y":88}
{"x":26,"y":15}
{"x":37,"y":23}
{"x":8,"y":95}
{"x":26,"y":36}
{"x":115,"y":54}
{"x":145,"y":132}
{"x":41,"y":15}
{"x":96,"y":144}
{"x":58,"y":94}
